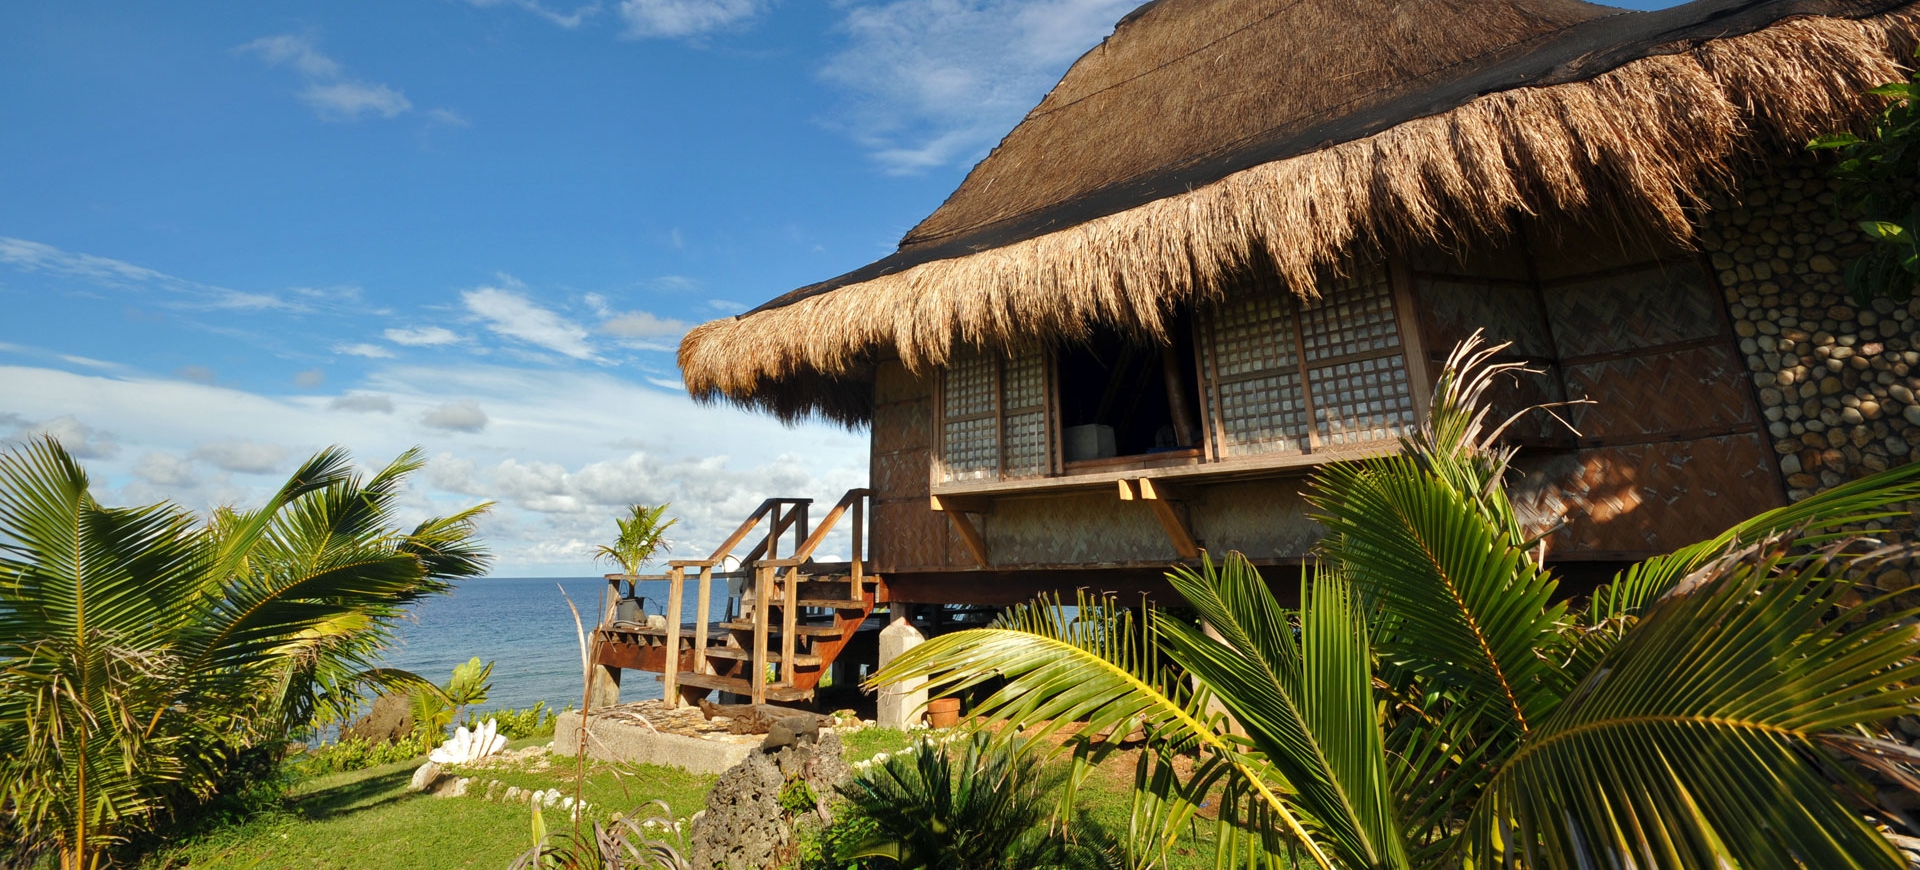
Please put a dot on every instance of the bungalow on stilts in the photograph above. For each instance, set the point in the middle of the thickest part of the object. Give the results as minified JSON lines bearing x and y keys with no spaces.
{"x":1236,"y":241}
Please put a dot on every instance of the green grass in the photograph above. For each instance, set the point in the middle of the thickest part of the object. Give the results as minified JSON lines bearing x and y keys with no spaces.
{"x":366,"y":820}
{"x":363,"y":819}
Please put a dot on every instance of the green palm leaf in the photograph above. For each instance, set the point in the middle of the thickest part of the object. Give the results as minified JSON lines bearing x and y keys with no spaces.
{"x":1692,"y":743}
{"x":1097,"y":668}
{"x":1464,"y":603}
{"x":1304,"y":697}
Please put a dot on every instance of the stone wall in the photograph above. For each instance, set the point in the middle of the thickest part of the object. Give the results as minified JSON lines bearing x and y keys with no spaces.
{"x":1836,"y":381}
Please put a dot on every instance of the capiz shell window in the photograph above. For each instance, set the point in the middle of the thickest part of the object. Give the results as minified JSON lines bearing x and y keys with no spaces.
{"x":1287,"y":377}
{"x":995,"y":421}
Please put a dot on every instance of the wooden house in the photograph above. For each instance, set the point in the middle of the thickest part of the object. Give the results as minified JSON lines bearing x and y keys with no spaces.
{"x":1238,"y":237}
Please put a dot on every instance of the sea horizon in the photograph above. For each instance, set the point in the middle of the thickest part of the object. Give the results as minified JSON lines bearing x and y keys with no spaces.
{"x":524,"y":626}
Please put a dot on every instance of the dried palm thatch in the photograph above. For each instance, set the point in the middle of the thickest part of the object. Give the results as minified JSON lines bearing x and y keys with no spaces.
{"x":1638,"y":138}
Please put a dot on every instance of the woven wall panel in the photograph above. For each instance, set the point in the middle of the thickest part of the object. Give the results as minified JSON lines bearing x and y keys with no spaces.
{"x":1361,"y":402}
{"x":1645,"y":498}
{"x":1263,"y":415}
{"x":908,"y":534}
{"x":902,"y":426}
{"x":1695,"y":389}
{"x":1253,"y":334}
{"x":899,"y":475}
{"x":1353,"y":315}
{"x":972,"y":449}
{"x":1455,"y":307}
{"x":1513,"y":393}
{"x":1646,"y":308}
{"x":893,"y":383}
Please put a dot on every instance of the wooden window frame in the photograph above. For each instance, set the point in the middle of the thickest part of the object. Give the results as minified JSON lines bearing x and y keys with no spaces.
{"x":1208,"y":460}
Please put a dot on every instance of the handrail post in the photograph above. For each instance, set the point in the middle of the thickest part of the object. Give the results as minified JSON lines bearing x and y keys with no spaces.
{"x":773,"y":533}
{"x":800,"y":531}
{"x":700,"y":620}
{"x":763,"y":601}
{"x":789,"y":618}
{"x":670,"y":672}
{"x":859,"y":539}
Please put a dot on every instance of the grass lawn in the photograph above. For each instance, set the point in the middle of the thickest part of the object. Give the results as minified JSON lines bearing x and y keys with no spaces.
{"x":366,"y":820}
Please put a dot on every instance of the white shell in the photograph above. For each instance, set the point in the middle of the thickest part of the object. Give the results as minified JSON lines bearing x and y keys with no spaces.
{"x":468,"y":746}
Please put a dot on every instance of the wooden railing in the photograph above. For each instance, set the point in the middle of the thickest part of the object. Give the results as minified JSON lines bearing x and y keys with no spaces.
{"x":767,"y":575}
{"x":780,"y":515}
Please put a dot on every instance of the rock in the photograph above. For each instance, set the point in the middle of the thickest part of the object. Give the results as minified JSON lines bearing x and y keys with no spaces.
{"x":791,"y":731}
{"x":1912,"y":413}
{"x":744,"y":827}
{"x":514,"y":794}
{"x":424,"y":777}
{"x":390,"y":719}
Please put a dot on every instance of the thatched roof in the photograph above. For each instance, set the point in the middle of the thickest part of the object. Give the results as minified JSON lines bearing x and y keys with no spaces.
{"x":1205,"y":136}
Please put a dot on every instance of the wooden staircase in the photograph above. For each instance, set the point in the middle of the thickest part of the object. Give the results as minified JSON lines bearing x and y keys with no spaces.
{"x":795,"y":616}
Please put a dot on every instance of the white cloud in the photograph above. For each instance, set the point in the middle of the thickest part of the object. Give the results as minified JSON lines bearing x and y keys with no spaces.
{"x":78,"y":438}
{"x":364,"y":403}
{"x":515,"y":316}
{"x":678,"y":18}
{"x":426,"y":336}
{"x":557,"y":428}
{"x":644,"y":326}
{"x":309,"y":379}
{"x":329,"y":91}
{"x":568,"y":20}
{"x":448,"y":118}
{"x":242,"y":456}
{"x":465,"y":416}
{"x":165,"y":469}
{"x":30,"y":256}
{"x":293,"y":51}
{"x":348,"y":101}
{"x":370,"y":351}
{"x":936,"y":82}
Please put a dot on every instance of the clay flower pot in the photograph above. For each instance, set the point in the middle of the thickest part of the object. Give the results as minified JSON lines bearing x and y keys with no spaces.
{"x":943,"y":712}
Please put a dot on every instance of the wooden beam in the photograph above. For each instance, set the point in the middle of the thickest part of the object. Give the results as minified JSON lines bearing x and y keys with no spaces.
{"x":1160,"y":490}
{"x":972,"y":504}
{"x":1159,"y":498}
{"x":969,"y":536}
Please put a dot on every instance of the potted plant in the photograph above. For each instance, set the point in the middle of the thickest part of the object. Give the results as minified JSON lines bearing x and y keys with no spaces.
{"x":642,"y":534}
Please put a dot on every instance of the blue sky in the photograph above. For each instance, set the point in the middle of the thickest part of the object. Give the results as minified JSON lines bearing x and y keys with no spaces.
{"x":232,"y":235}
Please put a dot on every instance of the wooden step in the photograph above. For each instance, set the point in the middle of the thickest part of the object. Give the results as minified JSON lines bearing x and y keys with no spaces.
{"x":804,"y":660}
{"x":803,"y":629}
{"x":834,"y":603}
{"x":738,"y":686}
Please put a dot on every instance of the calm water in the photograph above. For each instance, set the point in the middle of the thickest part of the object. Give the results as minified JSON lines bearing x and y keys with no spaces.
{"x":523,"y":626}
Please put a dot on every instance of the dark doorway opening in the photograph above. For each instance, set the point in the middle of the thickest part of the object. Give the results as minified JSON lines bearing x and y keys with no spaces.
{"x":1122,"y":395}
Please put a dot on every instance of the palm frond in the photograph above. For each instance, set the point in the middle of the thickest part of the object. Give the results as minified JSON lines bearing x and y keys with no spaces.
{"x":1691,"y":743}
{"x":1097,"y":667}
{"x":1303,"y":695}
{"x":1465,"y":603}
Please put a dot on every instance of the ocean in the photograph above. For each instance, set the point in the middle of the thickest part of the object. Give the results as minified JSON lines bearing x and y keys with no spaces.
{"x":523,"y":626}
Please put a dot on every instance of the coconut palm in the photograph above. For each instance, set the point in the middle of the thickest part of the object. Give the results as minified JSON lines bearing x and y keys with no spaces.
{"x":143,"y":650}
{"x":1431,"y":701}
{"x":641,"y":536}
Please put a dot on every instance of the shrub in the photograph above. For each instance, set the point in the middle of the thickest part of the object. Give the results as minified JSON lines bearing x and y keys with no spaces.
{"x":535,"y":721}
{"x":982,"y":803}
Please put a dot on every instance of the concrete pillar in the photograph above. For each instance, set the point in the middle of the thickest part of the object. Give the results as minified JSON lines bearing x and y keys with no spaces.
{"x":901,"y":704}
{"x":606,"y":686}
